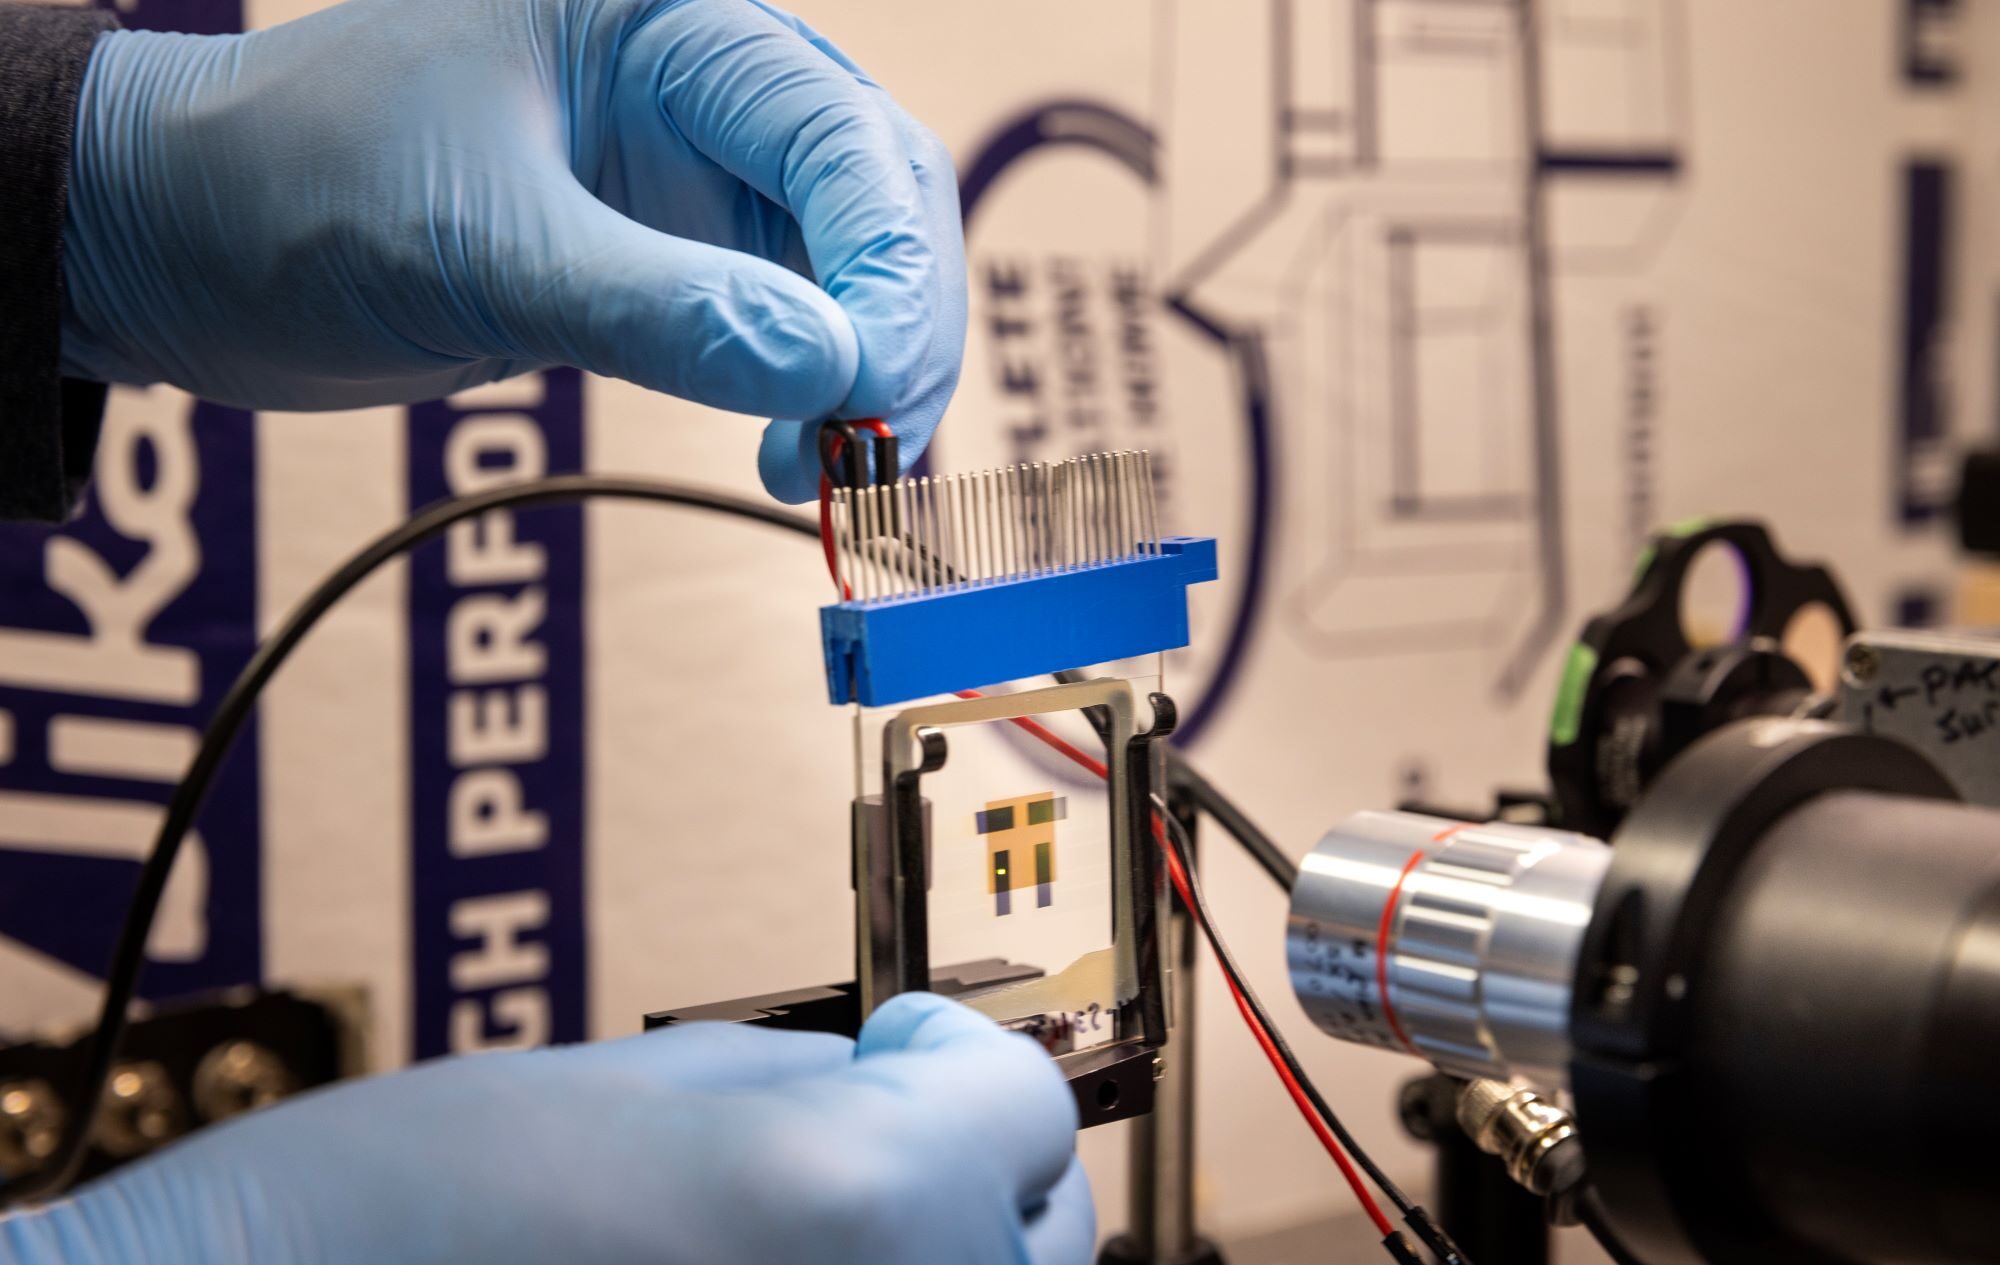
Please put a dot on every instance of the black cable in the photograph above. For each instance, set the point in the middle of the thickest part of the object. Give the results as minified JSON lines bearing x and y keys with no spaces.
{"x":128,"y":958}
{"x":1589,"y":1209}
{"x":1220,"y":808}
{"x":1414,"y":1214}
{"x":1223,"y":811}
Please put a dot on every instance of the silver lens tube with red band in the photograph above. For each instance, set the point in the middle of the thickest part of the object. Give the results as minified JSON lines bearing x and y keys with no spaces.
{"x":1454,"y":942}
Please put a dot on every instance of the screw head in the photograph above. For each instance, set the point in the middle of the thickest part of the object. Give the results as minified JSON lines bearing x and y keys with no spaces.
{"x":1621,"y":985}
{"x":1861,"y":663}
{"x":1416,"y":1106}
{"x":141,"y":1110}
{"x":31,"y":1120}
{"x":239,"y":1076}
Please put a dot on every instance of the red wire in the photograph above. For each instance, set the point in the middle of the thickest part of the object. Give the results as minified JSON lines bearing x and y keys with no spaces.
{"x":1270,"y":1048}
{"x":826,"y":529}
{"x":1051,"y":738}
{"x":877,"y":426}
{"x":1257,"y":1030}
{"x":1180,"y":880}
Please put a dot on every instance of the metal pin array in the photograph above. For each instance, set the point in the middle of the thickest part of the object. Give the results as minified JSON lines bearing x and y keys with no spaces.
{"x":938,"y":534}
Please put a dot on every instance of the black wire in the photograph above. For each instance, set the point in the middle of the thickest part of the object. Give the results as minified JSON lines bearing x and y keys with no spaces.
{"x":1183,"y":776}
{"x":1227,"y":961}
{"x":1414,"y":1214}
{"x":1237,"y":824}
{"x":1284,"y":872}
{"x":128,"y":958}
{"x":1223,"y":811}
{"x":1590,"y":1211}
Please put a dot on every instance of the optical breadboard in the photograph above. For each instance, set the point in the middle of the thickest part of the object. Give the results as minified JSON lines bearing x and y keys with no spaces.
{"x":959,"y":581}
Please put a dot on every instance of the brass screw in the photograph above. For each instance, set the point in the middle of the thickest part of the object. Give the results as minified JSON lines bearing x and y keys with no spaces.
{"x":1861,"y":663}
{"x":31,"y":1120}
{"x":141,"y":1110}
{"x":239,"y":1076}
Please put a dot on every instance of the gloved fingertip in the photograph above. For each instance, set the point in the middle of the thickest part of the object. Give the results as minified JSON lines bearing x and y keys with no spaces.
{"x":921,"y":1021}
{"x":788,"y":461}
{"x":788,"y":458}
{"x":1063,"y":1230}
{"x":969,"y":1077}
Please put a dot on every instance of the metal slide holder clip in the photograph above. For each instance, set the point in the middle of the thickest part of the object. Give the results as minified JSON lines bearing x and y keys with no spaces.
{"x":1111,"y":1082}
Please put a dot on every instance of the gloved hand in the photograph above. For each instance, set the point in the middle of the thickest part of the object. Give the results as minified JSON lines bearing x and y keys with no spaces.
{"x":935,"y":1138}
{"x":392,"y":199}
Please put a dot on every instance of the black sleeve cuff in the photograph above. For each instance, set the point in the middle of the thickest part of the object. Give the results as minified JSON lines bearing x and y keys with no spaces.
{"x":48,"y":426}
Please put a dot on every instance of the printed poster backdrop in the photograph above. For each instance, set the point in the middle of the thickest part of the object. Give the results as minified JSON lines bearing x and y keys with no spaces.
{"x":1427,"y":309}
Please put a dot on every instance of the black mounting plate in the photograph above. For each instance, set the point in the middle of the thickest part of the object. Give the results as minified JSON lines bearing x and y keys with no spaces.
{"x":1110,"y":1082}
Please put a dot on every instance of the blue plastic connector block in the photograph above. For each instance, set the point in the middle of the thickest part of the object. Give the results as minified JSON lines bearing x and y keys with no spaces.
{"x":891,"y":650}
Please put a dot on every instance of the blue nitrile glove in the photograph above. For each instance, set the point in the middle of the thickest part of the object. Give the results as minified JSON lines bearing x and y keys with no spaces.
{"x":392,"y":199}
{"x":936,"y":1138}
